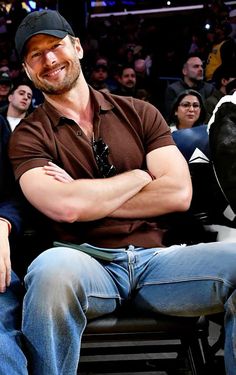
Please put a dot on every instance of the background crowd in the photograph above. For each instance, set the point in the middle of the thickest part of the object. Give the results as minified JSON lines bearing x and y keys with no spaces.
{"x":152,"y":58}
{"x":180,"y":66}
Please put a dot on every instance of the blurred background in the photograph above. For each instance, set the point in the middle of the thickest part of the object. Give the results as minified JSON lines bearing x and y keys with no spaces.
{"x":158,"y":33}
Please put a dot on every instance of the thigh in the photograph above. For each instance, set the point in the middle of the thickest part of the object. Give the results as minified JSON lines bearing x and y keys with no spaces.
{"x":60,"y":273}
{"x":188,"y":281}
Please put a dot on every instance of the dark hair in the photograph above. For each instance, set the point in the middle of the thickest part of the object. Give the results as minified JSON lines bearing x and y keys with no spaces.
{"x":230,"y":87}
{"x":21,"y":81}
{"x":223,"y":71}
{"x":189,"y":56}
{"x":121,"y":69}
{"x":173,"y":117}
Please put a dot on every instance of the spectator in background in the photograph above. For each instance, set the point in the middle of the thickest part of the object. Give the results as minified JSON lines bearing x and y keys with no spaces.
{"x":223,"y":75}
{"x":142,"y":69}
{"x":19,"y":101}
{"x":232,"y":21}
{"x":223,"y":51}
{"x":99,"y":76}
{"x":143,"y":94}
{"x":3,"y":23}
{"x":193,"y":78}
{"x":126,"y":82}
{"x":4,"y":64}
{"x":13,"y":360}
{"x":230,"y":87}
{"x":188,"y":111}
{"x":5,"y":87}
{"x":15,"y":14}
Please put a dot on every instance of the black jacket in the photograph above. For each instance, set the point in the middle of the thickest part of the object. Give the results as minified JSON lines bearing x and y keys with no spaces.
{"x":9,"y":202}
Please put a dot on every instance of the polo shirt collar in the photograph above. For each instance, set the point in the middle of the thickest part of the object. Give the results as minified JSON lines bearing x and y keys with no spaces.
{"x":101,"y":105}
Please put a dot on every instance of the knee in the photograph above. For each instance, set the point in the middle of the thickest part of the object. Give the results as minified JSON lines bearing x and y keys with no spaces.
{"x":53,"y":268}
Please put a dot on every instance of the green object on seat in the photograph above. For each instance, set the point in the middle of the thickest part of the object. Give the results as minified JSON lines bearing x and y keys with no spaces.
{"x":96,"y":253}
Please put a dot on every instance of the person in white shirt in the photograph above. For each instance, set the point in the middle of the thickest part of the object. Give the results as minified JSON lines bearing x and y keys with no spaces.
{"x":19,"y":98}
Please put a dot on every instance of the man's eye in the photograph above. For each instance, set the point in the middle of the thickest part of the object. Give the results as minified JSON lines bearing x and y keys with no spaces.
{"x":56,"y":46}
{"x":35,"y":54}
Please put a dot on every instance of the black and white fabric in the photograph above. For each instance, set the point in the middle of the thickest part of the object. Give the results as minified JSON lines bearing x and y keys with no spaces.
{"x":222,"y":144}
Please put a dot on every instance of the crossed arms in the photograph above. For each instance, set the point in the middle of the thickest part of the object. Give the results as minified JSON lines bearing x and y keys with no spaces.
{"x":131,"y":194}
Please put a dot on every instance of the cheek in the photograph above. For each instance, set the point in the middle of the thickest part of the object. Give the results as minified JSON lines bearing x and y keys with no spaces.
{"x":179,"y":114}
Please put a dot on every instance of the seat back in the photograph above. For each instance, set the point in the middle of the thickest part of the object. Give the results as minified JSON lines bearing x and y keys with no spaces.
{"x":208,"y":202}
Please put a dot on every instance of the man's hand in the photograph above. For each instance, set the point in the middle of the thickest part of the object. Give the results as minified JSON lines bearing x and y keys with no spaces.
{"x":171,"y":191}
{"x":82,"y":199}
{"x":58,"y":173}
{"x":5,"y":262}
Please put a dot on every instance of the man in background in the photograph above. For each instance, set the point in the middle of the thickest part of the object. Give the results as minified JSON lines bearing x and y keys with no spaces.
{"x":19,"y":101}
{"x":193,"y":78}
{"x":223,"y":75}
{"x":5,"y":87}
{"x":126,"y":78}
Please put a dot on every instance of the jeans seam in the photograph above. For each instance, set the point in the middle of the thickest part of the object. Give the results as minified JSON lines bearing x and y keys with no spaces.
{"x":188,"y":279}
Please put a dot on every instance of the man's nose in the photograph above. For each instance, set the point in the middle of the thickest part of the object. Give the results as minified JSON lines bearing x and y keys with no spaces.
{"x":49,"y":56}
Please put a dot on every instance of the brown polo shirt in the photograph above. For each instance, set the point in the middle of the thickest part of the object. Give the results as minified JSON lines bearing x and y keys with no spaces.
{"x":130,"y":127}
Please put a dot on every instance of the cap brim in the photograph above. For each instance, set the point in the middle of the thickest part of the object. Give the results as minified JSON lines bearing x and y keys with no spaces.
{"x":57,"y":33}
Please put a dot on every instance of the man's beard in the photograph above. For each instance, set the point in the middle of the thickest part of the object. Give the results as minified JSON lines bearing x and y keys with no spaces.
{"x":196,"y":80}
{"x":62,"y":87}
{"x":130,"y":85}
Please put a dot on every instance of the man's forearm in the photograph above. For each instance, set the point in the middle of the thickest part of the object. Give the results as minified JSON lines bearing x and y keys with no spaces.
{"x":81,"y":200}
{"x":106,"y":196}
{"x":158,"y":198}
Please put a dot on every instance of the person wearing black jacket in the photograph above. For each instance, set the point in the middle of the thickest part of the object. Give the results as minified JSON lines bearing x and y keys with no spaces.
{"x":13,"y":360}
{"x":193,"y":78}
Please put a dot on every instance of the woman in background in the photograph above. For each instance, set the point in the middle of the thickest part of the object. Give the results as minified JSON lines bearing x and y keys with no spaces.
{"x":187,"y":111}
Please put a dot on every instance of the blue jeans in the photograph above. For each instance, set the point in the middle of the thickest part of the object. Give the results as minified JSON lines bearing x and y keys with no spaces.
{"x":66,"y":287}
{"x":13,"y":361}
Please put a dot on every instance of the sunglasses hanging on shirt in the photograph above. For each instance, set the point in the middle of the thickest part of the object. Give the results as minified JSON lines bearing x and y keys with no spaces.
{"x":101,"y":152}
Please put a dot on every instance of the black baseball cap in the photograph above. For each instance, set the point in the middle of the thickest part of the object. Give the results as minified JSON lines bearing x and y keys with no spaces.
{"x":48,"y":22}
{"x":5,"y":78}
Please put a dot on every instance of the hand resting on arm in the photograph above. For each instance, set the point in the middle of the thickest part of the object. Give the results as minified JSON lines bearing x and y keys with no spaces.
{"x":170,"y":192}
{"x":83,"y":199}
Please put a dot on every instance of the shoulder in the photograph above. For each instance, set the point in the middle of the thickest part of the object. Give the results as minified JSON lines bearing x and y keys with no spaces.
{"x":38,"y":121}
{"x":176,"y":86}
{"x":207,"y":88}
{"x":214,"y":97}
{"x":131,"y":105}
{"x":230,"y":42}
{"x":4,"y":129}
{"x":143,"y":117}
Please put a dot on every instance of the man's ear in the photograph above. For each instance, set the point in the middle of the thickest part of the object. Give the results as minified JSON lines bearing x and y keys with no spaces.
{"x":26,"y":71}
{"x":10,"y":98}
{"x":79,"y":48}
{"x":224,"y":81}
